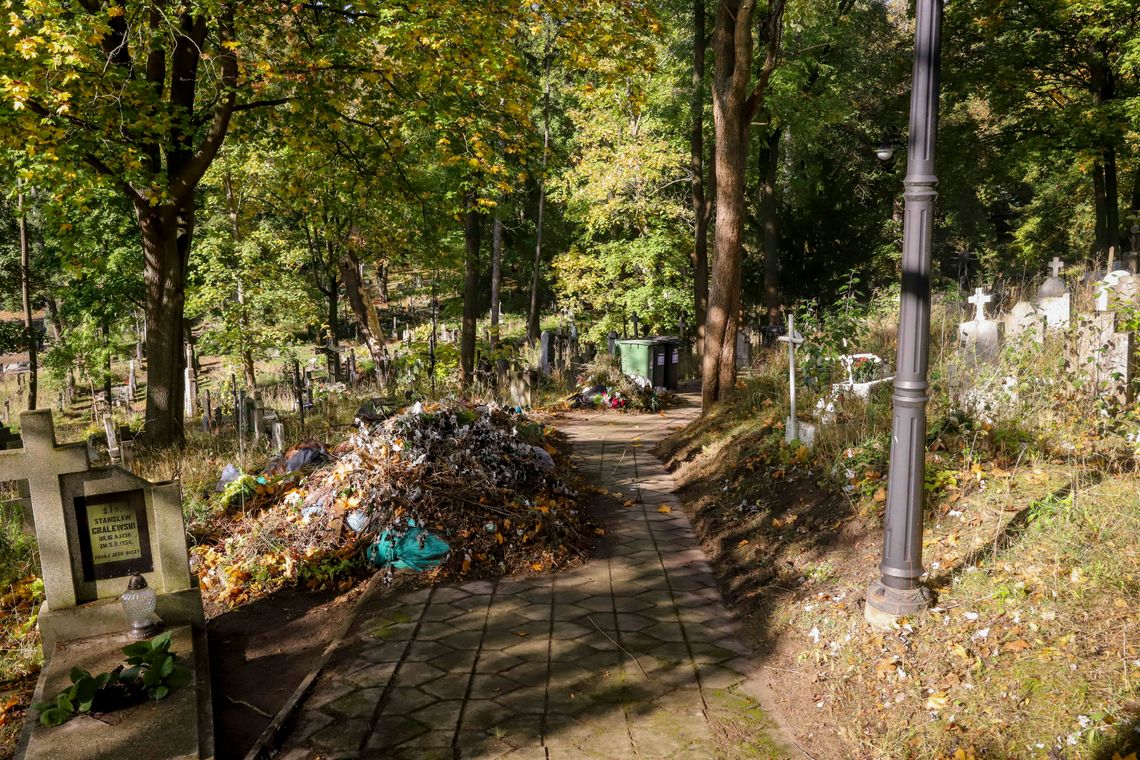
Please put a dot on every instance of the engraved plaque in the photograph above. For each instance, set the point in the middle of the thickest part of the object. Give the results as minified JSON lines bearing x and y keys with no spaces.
{"x":114,"y":538}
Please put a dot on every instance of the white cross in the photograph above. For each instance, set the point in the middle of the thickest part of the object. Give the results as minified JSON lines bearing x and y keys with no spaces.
{"x":793,"y":339}
{"x":980,"y":299}
{"x":1056,"y":265}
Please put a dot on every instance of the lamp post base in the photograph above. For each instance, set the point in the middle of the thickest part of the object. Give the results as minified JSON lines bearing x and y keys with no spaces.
{"x":885,"y":605}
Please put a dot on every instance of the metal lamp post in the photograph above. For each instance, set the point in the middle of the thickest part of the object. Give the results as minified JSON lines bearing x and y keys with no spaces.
{"x":898,"y":591}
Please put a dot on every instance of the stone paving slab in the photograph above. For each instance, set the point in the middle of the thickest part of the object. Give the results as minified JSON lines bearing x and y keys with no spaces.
{"x":631,"y":656}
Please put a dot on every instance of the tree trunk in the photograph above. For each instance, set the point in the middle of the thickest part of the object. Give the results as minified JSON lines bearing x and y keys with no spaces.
{"x":1111,"y":205}
{"x":770,"y":223}
{"x":702,"y":205}
{"x":1134,"y":208}
{"x":471,"y":238}
{"x":54,"y":324}
{"x":249,"y":369}
{"x":164,"y":278}
{"x":496,"y":277}
{"x":26,"y":295}
{"x":360,"y":300}
{"x":532,"y":324}
{"x":108,"y":378}
{"x":734,"y":106}
{"x":332,"y":355}
{"x":382,"y":282}
{"x":732,"y":44}
{"x":1100,"y":205}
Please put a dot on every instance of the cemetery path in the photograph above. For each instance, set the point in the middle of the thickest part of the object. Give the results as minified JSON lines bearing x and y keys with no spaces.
{"x":632,"y":655}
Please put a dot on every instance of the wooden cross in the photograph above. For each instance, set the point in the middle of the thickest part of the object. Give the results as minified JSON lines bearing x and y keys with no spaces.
{"x":980,"y":299}
{"x":1056,"y":265}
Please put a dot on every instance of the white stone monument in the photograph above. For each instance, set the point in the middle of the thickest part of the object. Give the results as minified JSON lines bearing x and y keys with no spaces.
{"x":980,"y":338}
{"x":1054,"y":299}
{"x":1026,"y":320}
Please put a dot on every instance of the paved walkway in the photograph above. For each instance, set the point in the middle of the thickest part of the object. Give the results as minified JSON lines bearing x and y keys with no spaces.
{"x":631,"y":656}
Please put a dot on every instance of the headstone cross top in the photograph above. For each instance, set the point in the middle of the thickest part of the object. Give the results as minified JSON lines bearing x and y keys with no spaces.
{"x":1056,"y":265}
{"x":979,"y":300}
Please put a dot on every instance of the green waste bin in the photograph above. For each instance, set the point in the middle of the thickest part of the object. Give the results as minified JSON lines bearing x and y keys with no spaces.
{"x":656,"y":359}
{"x":637,"y":356}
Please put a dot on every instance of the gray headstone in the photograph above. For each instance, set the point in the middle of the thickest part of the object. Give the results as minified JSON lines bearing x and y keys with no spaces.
{"x":743,"y":350}
{"x":546,"y":343}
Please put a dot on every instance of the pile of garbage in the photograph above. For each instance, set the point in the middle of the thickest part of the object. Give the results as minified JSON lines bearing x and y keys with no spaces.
{"x":449,"y":489}
{"x":603,"y":385}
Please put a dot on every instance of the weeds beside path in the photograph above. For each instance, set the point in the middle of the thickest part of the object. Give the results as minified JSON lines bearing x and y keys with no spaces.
{"x":1032,"y":651}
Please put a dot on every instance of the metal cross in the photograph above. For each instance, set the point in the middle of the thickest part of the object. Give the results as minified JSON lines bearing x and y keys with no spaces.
{"x":980,"y":299}
{"x":793,"y":339}
{"x":1056,"y":265}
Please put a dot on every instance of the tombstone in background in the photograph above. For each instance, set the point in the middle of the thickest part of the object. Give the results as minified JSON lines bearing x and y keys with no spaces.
{"x":980,"y":338}
{"x":1104,"y":353}
{"x":190,"y":393}
{"x":522,"y":388}
{"x":112,"y":443}
{"x":743,"y":350}
{"x":1054,"y":299}
{"x":1111,"y":288}
{"x":277,"y":430}
{"x":132,"y":380}
{"x":611,"y":343}
{"x":546,"y":344}
{"x":1026,"y":320}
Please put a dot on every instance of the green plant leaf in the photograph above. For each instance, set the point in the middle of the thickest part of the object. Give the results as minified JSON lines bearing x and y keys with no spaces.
{"x":179,"y":678}
{"x":54,"y":716}
{"x":136,"y":650}
{"x":159,"y":692}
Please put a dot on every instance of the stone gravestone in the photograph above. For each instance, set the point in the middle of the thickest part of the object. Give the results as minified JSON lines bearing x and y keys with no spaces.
{"x":546,"y":342}
{"x":1105,"y":354}
{"x":96,"y":527}
{"x":611,"y":343}
{"x":1054,"y":299}
{"x":980,"y":338}
{"x":522,"y":388}
{"x":1026,"y":320}
{"x":1117,"y":288}
{"x":190,"y":393}
{"x":743,"y":350}
{"x":132,"y":380}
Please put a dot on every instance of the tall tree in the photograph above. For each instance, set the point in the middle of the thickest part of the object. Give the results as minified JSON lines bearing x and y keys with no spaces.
{"x":26,"y":297}
{"x":737,"y":97}
{"x":702,"y":196}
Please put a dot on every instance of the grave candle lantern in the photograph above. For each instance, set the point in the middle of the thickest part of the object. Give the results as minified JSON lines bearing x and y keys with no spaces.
{"x":138,"y":602}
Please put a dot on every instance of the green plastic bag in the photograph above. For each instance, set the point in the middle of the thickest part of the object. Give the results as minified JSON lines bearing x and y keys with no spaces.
{"x":414,"y":549}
